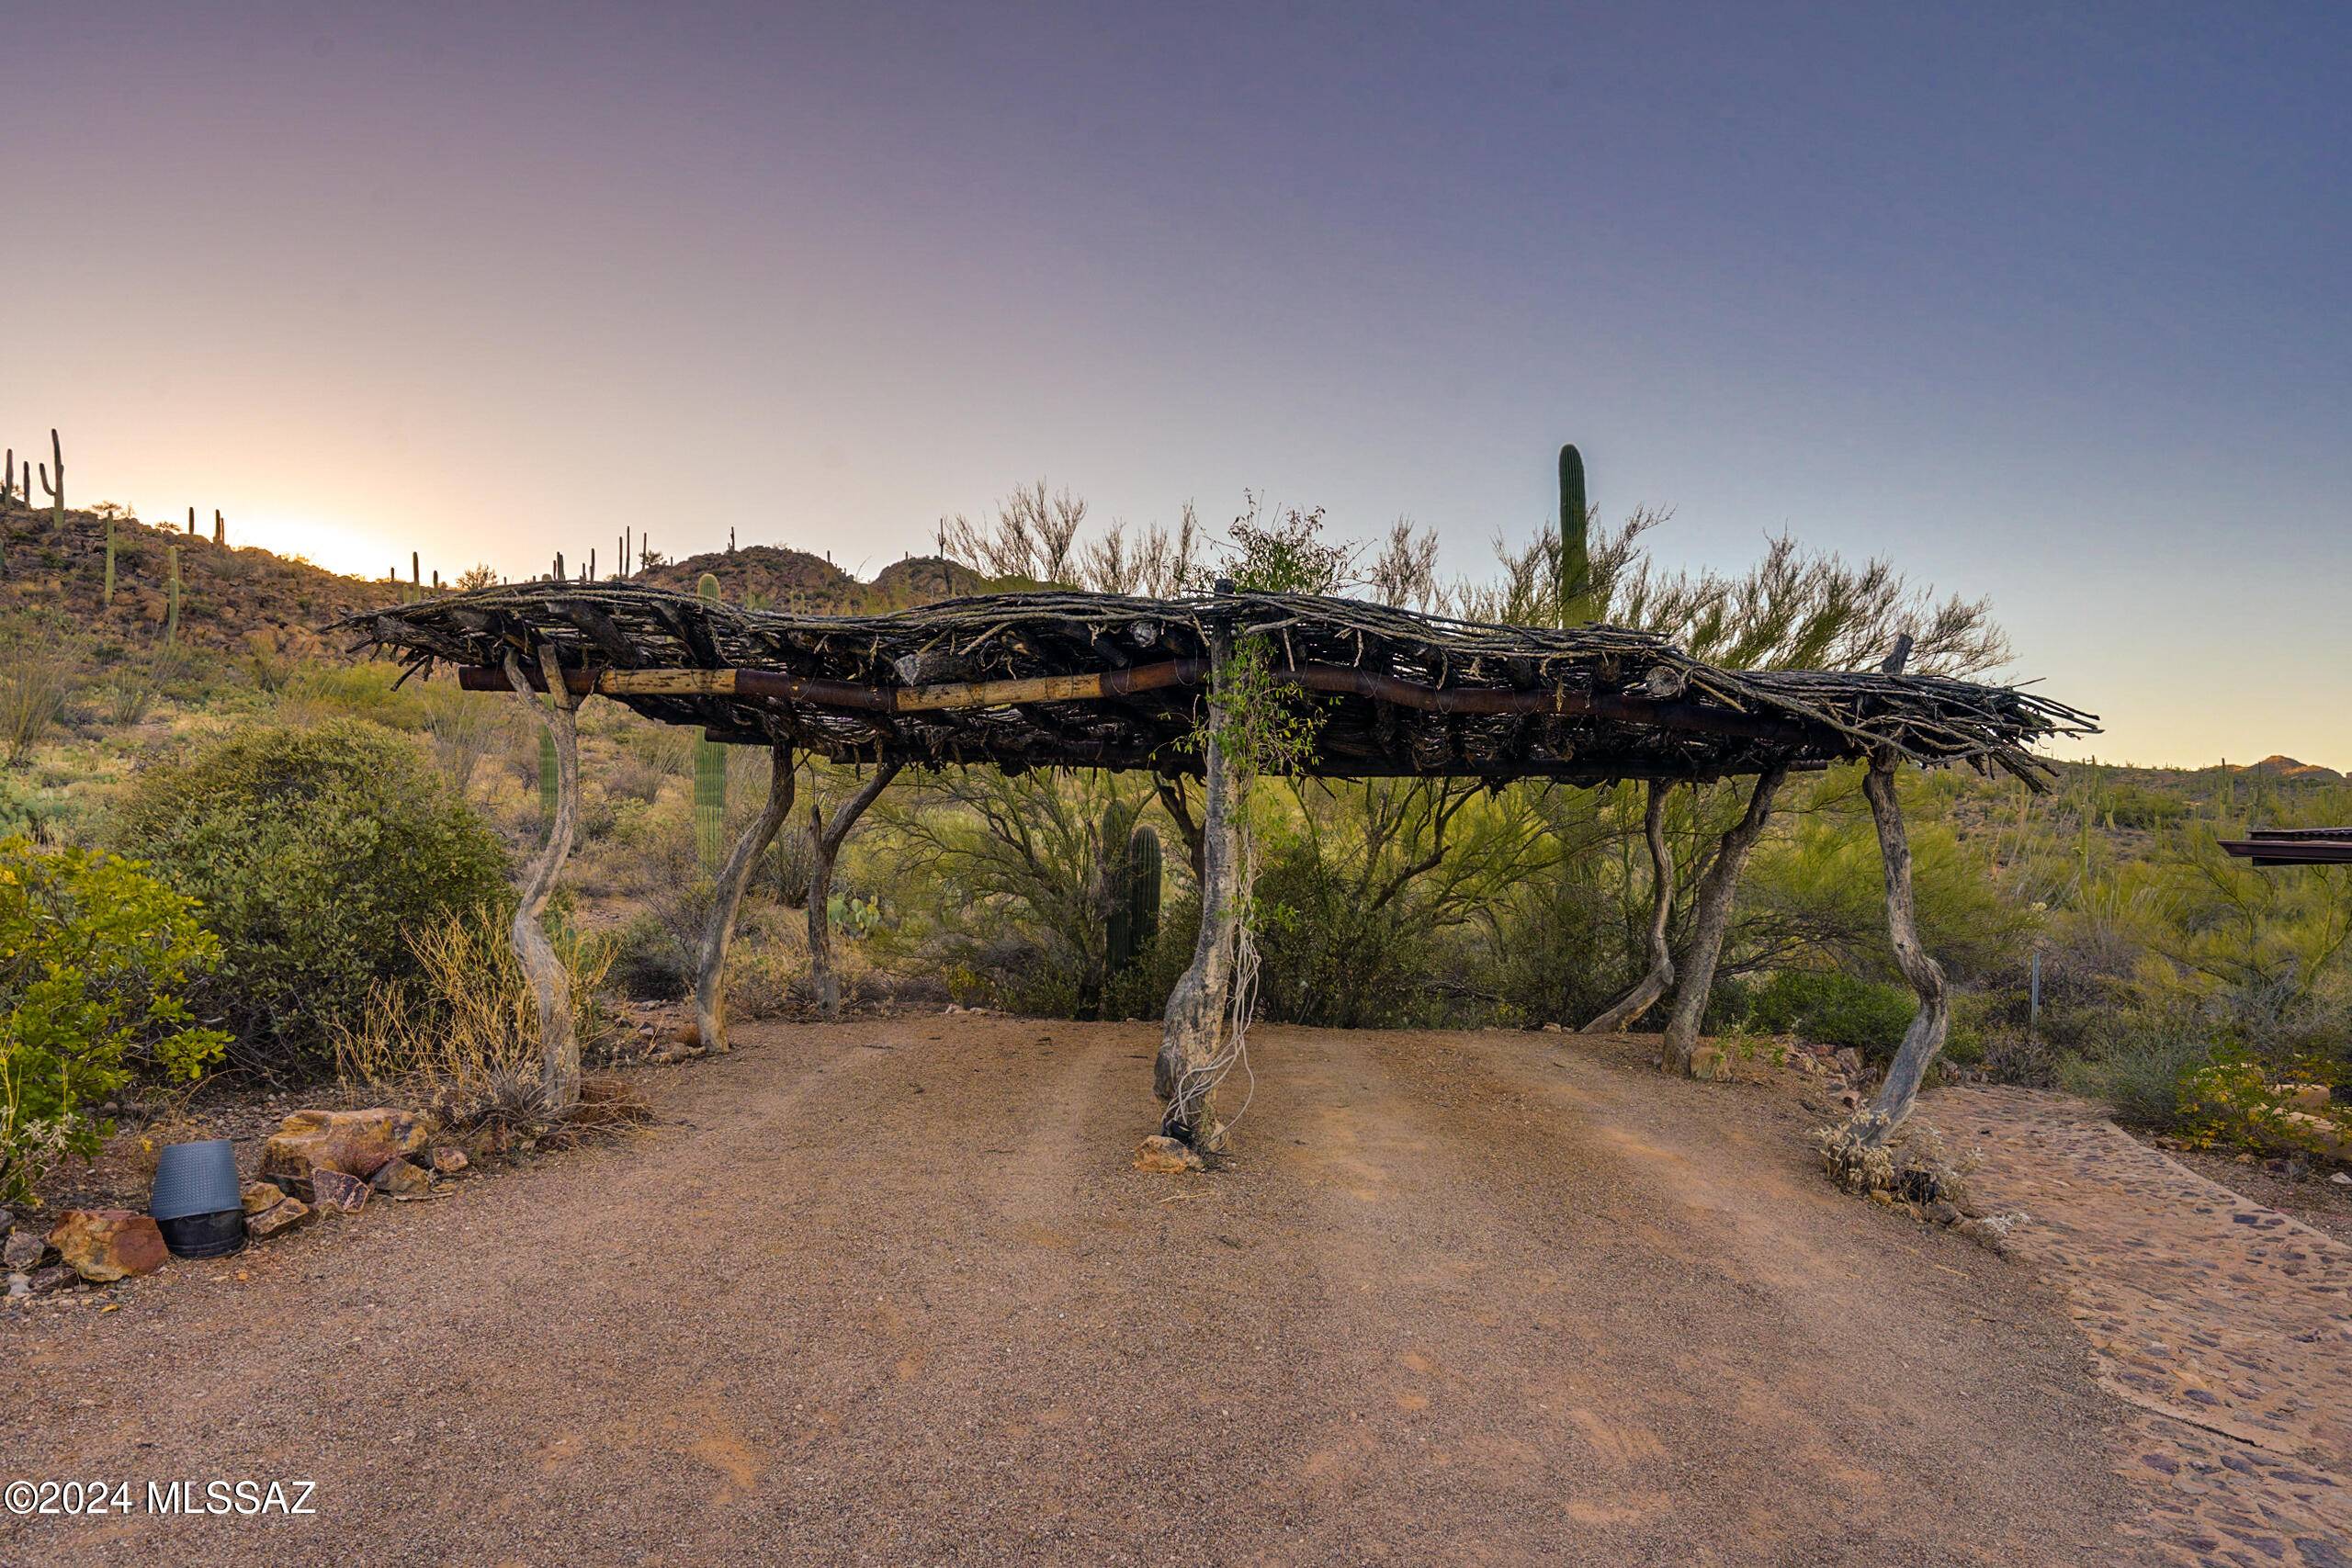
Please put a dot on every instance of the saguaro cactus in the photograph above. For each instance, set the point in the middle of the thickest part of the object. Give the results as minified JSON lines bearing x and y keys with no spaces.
{"x":1135,"y":901}
{"x":550,"y":773}
{"x":172,"y":613}
{"x":56,"y":490}
{"x":106,"y":595}
{"x":9,"y":479}
{"x":219,"y":527}
{"x":1576,"y":555}
{"x":710,"y":777}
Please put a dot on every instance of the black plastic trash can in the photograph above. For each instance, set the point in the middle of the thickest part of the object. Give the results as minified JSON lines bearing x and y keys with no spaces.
{"x":196,"y":1202}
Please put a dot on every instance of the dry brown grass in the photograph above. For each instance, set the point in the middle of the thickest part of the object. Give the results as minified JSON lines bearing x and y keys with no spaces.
{"x":465,"y":1037}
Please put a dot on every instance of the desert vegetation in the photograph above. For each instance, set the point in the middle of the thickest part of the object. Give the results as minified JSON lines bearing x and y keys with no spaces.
{"x":279,"y":868}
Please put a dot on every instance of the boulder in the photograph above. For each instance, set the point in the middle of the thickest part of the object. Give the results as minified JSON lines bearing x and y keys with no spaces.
{"x":260,"y":1196}
{"x":2305,"y":1096}
{"x":22,"y":1252}
{"x":1166,"y":1156}
{"x":334,"y":1192}
{"x":2321,"y":1133}
{"x":278,"y":1216}
{"x":355,"y":1143}
{"x":1847,"y":1060}
{"x":103,"y":1245}
{"x":448,"y":1160}
{"x":401,"y":1179}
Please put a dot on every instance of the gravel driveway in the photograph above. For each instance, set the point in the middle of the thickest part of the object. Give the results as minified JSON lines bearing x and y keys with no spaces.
{"x":888,"y":1292}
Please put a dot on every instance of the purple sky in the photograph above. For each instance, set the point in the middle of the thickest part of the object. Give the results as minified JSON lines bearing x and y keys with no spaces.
{"x":2047,"y":303}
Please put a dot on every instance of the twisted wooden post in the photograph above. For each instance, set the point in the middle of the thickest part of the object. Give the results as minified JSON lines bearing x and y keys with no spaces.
{"x":1198,"y":1007}
{"x":1926,"y":1035}
{"x":727,"y":899}
{"x":559,"y":710}
{"x":1659,"y":978}
{"x":825,"y":845}
{"x":1711,"y":920}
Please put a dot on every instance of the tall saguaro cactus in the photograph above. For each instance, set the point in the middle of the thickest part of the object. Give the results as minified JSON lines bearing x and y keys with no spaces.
{"x":172,"y":613}
{"x":1576,"y":555}
{"x":56,"y":489}
{"x":710,"y":776}
{"x":1133,"y":924}
{"x":106,"y":595}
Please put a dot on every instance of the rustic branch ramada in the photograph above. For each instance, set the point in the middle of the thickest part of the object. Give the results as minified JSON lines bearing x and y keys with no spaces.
{"x":1081,"y":680}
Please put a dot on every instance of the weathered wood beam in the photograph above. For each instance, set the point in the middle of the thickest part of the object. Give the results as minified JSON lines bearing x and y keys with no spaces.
{"x":727,"y":899}
{"x":550,"y":982}
{"x":1331,"y":679}
{"x":1711,"y":921}
{"x":826,"y":839}
{"x":1193,"y":1033}
{"x":1925,"y":1037}
{"x":1658,"y":978}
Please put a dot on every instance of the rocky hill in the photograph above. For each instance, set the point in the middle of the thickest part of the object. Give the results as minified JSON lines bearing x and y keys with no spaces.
{"x":235,"y":599}
{"x":778,"y":578}
{"x":231,"y":598}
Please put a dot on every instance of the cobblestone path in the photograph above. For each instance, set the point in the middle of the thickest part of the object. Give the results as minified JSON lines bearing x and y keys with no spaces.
{"x":2227,"y":1325}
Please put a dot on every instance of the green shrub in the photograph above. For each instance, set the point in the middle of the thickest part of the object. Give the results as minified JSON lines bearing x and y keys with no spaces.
{"x":1833,"y":1009}
{"x":2141,"y":1075}
{"x":313,"y":852}
{"x":94,"y":952}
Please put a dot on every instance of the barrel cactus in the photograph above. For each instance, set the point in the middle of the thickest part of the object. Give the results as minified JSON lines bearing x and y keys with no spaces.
{"x":710,"y":777}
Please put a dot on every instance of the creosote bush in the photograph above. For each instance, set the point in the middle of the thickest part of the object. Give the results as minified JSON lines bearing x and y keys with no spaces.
{"x":311,"y":852}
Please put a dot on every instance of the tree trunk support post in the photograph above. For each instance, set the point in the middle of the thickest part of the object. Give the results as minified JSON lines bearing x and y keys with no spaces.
{"x":1711,"y":920}
{"x":1926,"y":1035}
{"x":726,"y":902}
{"x":1658,"y":978}
{"x":825,"y":844}
{"x":1183,"y":1074}
{"x":559,"y":710}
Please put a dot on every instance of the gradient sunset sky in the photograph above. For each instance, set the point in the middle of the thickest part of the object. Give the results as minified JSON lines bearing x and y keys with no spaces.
{"x":2045,"y":302}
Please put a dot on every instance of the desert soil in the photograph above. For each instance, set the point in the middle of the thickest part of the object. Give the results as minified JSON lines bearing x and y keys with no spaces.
{"x":887,"y":1292}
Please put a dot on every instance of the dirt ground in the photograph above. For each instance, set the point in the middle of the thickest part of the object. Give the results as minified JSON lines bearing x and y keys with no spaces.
{"x":887,"y":1292}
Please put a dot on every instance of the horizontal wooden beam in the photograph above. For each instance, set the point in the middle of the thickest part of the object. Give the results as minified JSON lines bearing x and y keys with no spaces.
{"x":1328,"y":680}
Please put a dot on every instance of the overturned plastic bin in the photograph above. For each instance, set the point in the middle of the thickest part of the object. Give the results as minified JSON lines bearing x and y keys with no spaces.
{"x":196,"y":1202}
